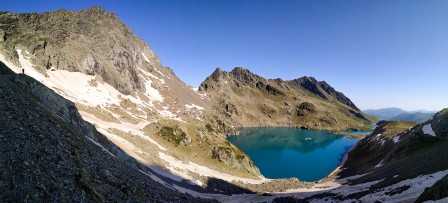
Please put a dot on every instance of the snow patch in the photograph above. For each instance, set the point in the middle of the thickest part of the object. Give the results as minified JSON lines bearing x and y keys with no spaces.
{"x":152,"y":93}
{"x":396,"y":139}
{"x":74,"y":86}
{"x":427,"y":129}
{"x":148,"y":74}
{"x":380,"y":164}
{"x":146,"y":58}
{"x":165,"y":113}
{"x":194,"y":106}
{"x":417,"y":184}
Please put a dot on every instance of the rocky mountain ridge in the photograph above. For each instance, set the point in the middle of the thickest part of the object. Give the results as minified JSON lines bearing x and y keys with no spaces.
{"x":400,"y":114}
{"x":303,"y":102}
{"x":92,"y":41}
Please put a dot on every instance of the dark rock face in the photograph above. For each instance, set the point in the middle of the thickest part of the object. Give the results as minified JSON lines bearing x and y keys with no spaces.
{"x":245,"y":77}
{"x":322,"y":89}
{"x":310,"y":84}
{"x":305,"y":108}
{"x":439,"y":123}
{"x":268,"y":110}
{"x":4,"y":70}
{"x":337,"y":95}
{"x":232,"y":156}
{"x":92,"y":41}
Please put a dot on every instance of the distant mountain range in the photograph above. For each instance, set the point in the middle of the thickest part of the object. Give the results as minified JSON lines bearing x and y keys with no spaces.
{"x":400,"y":114}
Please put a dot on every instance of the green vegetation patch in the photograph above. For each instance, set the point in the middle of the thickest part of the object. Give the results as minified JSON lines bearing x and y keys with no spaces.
{"x":391,"y":128}
{"x":175,"y":135}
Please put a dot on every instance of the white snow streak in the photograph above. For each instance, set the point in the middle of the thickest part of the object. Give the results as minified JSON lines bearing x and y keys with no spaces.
{"x":194,"y":106}
{"x":380,"y":164}
{"x":396,"y":139}
{"x":146,"y":58}
{"x":427,"y":129}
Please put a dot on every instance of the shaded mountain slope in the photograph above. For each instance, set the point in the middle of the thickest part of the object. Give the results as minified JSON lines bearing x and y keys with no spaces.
{"x":399,"y":150}
{"x":250,"y":100}
{"x":49,"y":153}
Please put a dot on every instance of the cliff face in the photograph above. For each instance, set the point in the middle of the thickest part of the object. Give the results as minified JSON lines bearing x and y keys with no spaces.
{"x":251,"y":100}
{"x":92,"y":41}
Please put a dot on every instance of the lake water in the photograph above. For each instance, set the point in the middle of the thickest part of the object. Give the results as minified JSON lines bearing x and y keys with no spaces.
{"x":308,"y":155}
{"x":358,"y":132}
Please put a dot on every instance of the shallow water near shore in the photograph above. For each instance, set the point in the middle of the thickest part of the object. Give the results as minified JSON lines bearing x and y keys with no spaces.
{"x":279,"y":152}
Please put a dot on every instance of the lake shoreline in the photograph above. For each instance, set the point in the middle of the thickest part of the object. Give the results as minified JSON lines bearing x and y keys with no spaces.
{"x":283,"y":152}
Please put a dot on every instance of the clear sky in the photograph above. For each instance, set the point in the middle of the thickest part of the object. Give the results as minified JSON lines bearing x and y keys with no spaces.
{"x":378,"y":53}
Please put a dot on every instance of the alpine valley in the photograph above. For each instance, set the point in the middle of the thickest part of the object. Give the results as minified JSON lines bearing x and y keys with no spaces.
{"x":96,"y":117}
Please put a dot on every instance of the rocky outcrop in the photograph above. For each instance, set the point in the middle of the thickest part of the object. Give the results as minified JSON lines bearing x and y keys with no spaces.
{"x":232,"y":156}
{"x":339,"y":96}
{"x":175,"y":134}
{"x":92,"y":41}
{"x":310,"y":84}
{"x":439,"y":123}
{"x":305,"y":108}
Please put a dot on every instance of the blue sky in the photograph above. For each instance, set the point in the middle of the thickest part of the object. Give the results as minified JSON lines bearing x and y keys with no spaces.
{"x":378,"y":53}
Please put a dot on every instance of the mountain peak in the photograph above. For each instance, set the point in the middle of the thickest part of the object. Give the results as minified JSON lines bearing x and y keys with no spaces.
{"x":96,"y":9}
{"x":92,"y":41}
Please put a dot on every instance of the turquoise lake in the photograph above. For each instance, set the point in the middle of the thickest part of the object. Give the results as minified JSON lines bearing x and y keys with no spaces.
{"x":308,"y":155}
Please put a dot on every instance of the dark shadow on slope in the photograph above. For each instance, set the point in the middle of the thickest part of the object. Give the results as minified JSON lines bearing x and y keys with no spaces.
{"x":215,"y":185}
{"x":49,"y":153}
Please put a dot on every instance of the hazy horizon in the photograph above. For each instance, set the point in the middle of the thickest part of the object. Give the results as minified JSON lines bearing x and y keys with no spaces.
{"x":378,"y":53}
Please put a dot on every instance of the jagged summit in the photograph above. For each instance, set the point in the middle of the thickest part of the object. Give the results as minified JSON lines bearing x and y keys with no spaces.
{"x":237,"y":92}
{"x":93,"y":41}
